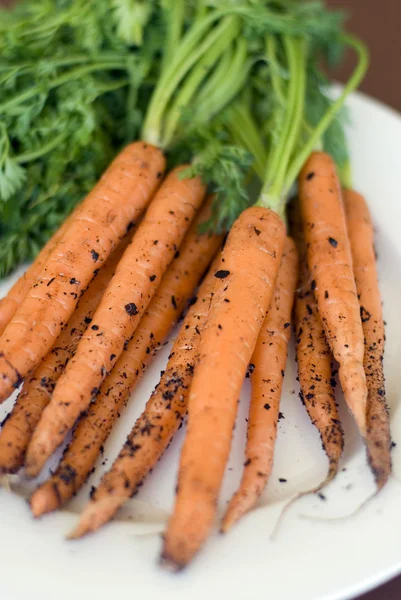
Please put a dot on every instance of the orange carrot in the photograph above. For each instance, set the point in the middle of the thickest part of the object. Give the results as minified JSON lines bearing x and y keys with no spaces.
{"x":315,"y":375}
{"x":330,"y":266}
{"x":267,"y":372}
{"x":361,"y":235}
{"x":113,"y":205}
{"x":155,"y":428}
{"x":93,"y":429}
{"x":243,"y":292}
{"x":10,"y":303}
{"x":125,"y":300}
{"x":37,"y":390}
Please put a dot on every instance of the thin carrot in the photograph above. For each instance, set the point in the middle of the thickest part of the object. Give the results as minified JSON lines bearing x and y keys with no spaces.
{"x":113,"y":205}
{"x":125,"y":300}
{"x":330,"y":265}
{"x":157,"y":425}
{"x":93,"y":429}
{"x":316,"y":378}
{"x":267,"y":373}
{"x":36,"y":392}
{"x":243,"y":292}
{"x":361,"y":236}
{"x":10,"y":303}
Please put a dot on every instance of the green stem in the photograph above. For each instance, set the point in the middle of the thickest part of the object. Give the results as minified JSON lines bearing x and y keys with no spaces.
{"x":65,"y":62}
{"x":174,"y":13}
{"x":178,"y":68}
{"x":352,"y":84}
{"x":229,"y":86}
{"x":277,"y":82}
{"x":299,"y":55}
{"x":345,"y":173}
{"x":74,"y":74}
{"x":276,"y":156}
{"x":245,"y":129}
{"x":202,"y":69}
{"x":45,"y":149}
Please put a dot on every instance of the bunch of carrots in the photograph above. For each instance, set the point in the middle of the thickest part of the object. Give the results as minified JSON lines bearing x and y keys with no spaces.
{"x":209,"y":239}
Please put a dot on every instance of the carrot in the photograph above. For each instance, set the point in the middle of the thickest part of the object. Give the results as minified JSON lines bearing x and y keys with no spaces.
{"x":361,"y":236}
{"x":37,"y":390}
{"x":157,"y":425}
{"x":93,"y":429}
{"x":125,"y":300}
{"x":10,"y":303}
{"x":315,"y":375}
{"x":243,"y":291}
{"x":267,"y":373}
{"x":113,"y":205}
{"x":330,"y":265}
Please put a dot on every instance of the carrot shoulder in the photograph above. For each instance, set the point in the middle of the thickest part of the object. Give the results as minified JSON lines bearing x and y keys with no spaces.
{"x":10,"y":303}
{"x":36,"y":392}
{"x":134,"y":284}
{"x":267,"y":374}
{"x":330,"y":265}
{"x":93,"y":429}
{"x":155,"y":428}
{"x":361,"y":235}
{"x":113,"y":205}
{"x":242,"y":294}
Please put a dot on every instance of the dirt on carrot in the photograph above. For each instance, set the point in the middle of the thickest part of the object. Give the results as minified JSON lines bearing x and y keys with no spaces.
{"x":107,"y":212}
{"x":37,"y":391}
{"x":330,"y":266}
{"x":134,"y":284}
{"x":267,"y":374}
{"x":155,"y":428}
{"x":178,"y":283}
{"x":361,"y":236}
{"x":243,"y":291}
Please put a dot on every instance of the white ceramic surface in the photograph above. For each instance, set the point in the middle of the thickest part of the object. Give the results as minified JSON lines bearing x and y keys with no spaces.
{"x":309,"y":559}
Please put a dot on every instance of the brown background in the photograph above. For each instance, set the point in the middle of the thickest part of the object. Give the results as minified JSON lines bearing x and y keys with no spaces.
{"x":378,"y":23}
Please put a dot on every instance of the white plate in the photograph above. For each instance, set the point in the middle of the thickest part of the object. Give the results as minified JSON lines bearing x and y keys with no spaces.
{"x":308,"y":560}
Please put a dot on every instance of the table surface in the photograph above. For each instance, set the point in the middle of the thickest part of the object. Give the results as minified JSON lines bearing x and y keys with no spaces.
{"x":378,"y":24}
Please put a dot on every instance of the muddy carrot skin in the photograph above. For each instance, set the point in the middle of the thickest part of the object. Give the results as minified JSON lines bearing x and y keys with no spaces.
{"x":155,"y":428}
{"x":361,"y":235}
{"x":36,"y":392}
{"x":243,"y":291}
{"x":107,"y":212}
{"x":330,"y":265}
{"x":315,"y":363}
{"x":178,"y":283}
{"x":14,"y":298}
{"x":267,"y":373}
{"x":134,"y":284}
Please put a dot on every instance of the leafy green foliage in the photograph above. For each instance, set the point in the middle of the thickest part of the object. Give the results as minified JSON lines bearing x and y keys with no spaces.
{"x":79,"y":79}
{"x":73,"y":90}
{"x":318,"y":101}
{"x":224,"y":168}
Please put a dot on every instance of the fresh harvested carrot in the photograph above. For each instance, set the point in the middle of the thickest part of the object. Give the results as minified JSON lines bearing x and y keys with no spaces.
{"x":361,"y":236}
{"x":106,"y":213}
{"x":157,"y":425}
{"x":93,"y":429}
{"x":330,"y":265}
{"x":10,"y":303}
{"x":243,"y":292}
{"x":37,"y":390}
{"x":125,"y":300}
{"x":315,"y":374}
{"x":267,"y":374}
